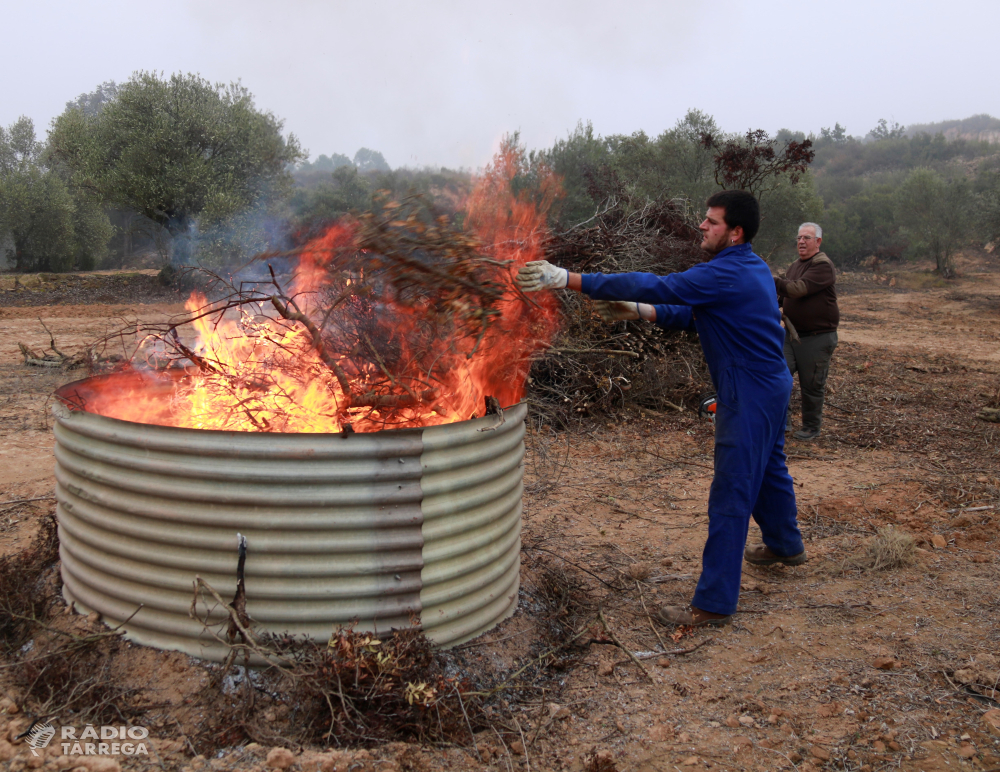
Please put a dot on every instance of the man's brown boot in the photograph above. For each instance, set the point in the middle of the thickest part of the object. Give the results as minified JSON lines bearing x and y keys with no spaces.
{"x":690,"y":616}
{"x":761,"y":555}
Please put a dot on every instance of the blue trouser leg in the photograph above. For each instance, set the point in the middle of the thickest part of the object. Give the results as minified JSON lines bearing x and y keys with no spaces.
{"x":750,"y":477}
{"x":775,"y":509}
{"x":721,"y":564}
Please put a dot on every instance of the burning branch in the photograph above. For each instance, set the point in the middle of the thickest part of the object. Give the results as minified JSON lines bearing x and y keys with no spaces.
{"x":394,"y":317}
{"x":317,"y":342}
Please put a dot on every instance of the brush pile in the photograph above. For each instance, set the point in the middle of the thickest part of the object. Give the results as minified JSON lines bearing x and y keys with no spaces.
{"x":53,"y":669}
{"x":594,"y":367}
{"x":360,"y":688}
{"x":24,"y":597}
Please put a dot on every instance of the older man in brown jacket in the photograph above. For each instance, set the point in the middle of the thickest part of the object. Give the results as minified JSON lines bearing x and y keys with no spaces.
{"x":808,"y":297}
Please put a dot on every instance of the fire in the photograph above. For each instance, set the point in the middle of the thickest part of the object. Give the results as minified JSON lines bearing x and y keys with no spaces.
{"x":270,"y":372}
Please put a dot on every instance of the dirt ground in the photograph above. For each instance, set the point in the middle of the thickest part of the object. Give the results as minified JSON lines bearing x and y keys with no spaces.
{"x":827,"y":665}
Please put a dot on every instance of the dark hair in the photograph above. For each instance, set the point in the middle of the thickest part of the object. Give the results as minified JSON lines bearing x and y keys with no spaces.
{"x":741,"y":209}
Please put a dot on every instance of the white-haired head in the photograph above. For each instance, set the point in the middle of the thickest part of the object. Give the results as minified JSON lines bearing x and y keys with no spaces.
{"x":818,"y":230}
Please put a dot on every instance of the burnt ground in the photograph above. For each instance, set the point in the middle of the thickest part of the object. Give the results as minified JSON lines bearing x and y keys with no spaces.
{"x":828,"y":665}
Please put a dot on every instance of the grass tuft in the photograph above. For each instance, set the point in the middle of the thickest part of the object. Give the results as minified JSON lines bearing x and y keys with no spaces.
{"x":890,"y":548}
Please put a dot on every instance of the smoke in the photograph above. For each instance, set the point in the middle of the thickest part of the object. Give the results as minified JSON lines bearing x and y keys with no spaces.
{"x":230,"y":242}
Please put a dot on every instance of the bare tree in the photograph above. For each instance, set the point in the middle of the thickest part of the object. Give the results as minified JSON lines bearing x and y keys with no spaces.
{"x":754,"y":163}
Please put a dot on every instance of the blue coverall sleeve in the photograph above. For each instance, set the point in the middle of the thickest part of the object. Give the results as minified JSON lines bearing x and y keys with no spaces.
{"x":674,"y":317}
{"x":697,"y":286}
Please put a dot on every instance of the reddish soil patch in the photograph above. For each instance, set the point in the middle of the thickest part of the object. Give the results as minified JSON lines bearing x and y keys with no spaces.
{"x":826,"y":666}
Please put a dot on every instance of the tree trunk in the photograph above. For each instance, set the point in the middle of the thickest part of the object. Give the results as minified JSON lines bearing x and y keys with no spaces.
{"x":945,"y":266}
{"x":127,"y":241}
{"x":181,"y":243}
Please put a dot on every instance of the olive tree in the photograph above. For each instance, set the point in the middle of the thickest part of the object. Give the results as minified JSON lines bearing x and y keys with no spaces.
{"x":346,"y":190}
{"x":934,"y":213}
{"x":52,"y":225}
{"x":368,"y":160}
{"x":183,"y":152}
{"x":988,"y":199}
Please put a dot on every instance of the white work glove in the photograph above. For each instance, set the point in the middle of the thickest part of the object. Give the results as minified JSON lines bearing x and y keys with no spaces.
{"x":624,"y":310}
{"x":541,"y":274}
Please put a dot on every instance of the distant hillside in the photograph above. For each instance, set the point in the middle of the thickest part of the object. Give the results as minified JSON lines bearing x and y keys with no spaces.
{"x":981,"y":128}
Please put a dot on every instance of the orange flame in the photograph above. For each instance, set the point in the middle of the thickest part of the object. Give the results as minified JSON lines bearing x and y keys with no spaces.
{"x":298,"y":391}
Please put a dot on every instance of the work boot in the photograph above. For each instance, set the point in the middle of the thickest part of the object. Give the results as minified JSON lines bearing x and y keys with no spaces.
{"x":806,"y":434}
{"x":689,"y":616}
{"x":761,"y":555}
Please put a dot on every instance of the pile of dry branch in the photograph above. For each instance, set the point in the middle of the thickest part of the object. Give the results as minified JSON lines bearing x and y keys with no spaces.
{"x":595,"y":367}
{"x":23,"y":594}
{"x":52,"y":357}
{"x":54,"y":669}
{"x":87,"y":357}
{"x":360,"y":688}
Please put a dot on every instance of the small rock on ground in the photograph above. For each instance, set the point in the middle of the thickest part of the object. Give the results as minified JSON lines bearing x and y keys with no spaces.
{"x":279,"y":758}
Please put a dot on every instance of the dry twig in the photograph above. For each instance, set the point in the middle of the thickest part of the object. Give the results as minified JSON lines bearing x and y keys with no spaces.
{"x":620,"y":645}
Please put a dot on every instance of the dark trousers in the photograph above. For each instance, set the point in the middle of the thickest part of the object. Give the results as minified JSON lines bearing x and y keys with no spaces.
{"x":810,"y":358}
{"x":750,"y":479}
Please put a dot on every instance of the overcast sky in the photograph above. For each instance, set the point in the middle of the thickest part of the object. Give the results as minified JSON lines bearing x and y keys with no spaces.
{"x":438,"y":83}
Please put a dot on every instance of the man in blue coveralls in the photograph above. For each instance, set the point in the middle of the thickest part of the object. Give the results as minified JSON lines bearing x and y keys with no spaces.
{"x":731,"y":302}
